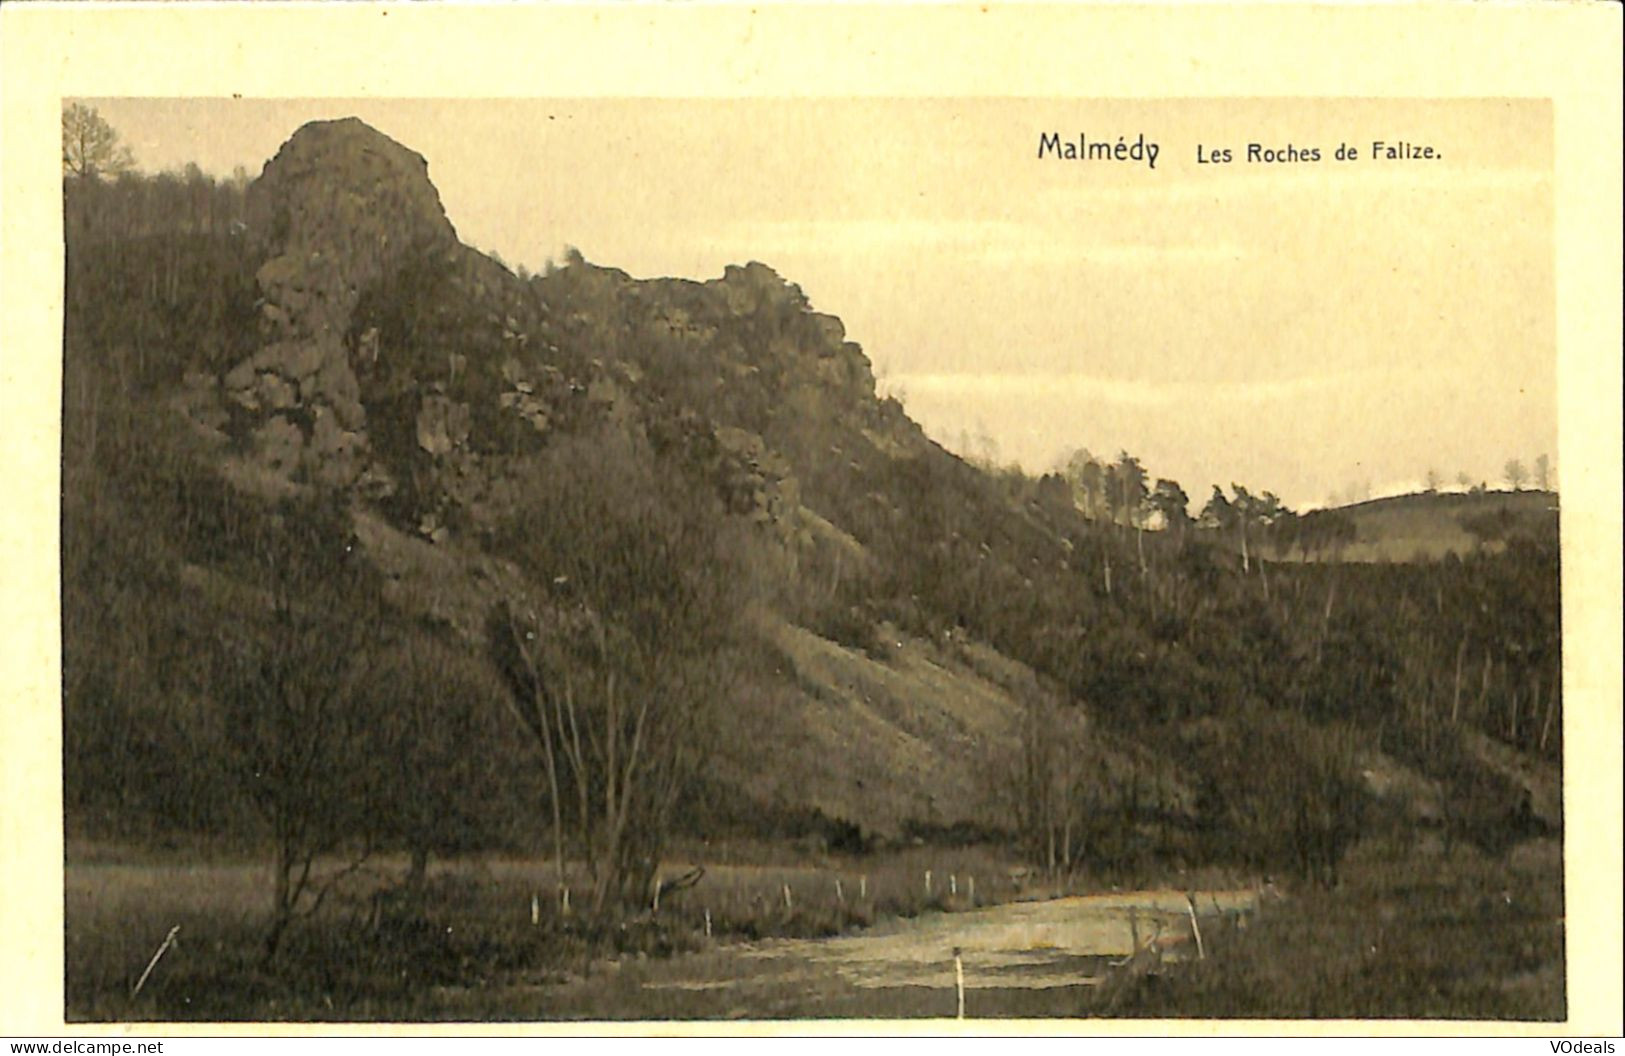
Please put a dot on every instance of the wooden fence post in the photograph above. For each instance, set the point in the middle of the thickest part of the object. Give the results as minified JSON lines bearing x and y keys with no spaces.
{"x":959,"y":980}
{"x":1196,"y":931}
{"x":169,"y":940}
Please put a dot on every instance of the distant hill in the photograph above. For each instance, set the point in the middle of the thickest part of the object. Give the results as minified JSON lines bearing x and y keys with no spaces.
{"x":1429,"y":525}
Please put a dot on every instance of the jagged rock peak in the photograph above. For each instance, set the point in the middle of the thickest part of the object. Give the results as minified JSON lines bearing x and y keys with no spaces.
{"x":346,"y":171}
{"x":341,"y":207}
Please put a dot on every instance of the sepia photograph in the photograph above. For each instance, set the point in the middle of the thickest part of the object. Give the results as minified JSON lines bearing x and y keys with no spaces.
{"x":602,"y":559}
{"x":690,"y":523}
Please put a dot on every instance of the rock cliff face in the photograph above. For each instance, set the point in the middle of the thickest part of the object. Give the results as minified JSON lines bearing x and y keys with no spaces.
{"x":339,"y":208}
{"x":397,"y":361}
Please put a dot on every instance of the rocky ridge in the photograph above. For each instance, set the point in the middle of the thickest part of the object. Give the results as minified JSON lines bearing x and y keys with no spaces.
{"x":423,"y":378}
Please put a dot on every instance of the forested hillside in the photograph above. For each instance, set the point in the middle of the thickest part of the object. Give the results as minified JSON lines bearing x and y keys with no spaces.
{"x":370,"y":542}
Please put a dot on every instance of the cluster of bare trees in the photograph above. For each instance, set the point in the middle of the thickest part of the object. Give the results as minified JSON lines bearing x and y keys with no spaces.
{"x":110,"y":198}
{"x":1122,"y":492}
{"x":1049,"y":781}
{"x":614,"y":674}
{"x":1244,"y":515}
{"x":614,"y":723}
{"x":1540,"y":473}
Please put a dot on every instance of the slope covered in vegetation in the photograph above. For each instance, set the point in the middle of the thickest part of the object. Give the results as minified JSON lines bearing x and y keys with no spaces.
{"x":372,"y":543}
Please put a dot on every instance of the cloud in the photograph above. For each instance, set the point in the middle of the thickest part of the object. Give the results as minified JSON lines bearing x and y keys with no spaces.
{"x":1324,"y":178}
{"x":998,"y":242}
{"x":1136,"y":392}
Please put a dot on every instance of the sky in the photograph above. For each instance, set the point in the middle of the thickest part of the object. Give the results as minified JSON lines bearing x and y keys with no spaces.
{"x":1311,"y":328}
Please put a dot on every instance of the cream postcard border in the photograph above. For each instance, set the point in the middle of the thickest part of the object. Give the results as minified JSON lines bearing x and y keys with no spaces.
{"x":1570,"y":53}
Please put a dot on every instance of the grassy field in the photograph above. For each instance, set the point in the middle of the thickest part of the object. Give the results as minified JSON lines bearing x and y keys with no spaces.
{"x":1458,"y":936}
{"x":1408,"y":934}
{"x":471,"y":928}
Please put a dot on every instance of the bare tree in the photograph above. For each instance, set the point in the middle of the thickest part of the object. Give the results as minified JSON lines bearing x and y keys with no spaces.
{"x":1170,"y":501}
{"x":1084,"y":472}
{"x":1515,"y":474}
{"x":1543,"y":473}
{"x":1046,"y":784}
{"x":90,"y":147}
{"x":435,"y":760}
{"x":1434,"y":480}
{"x":517,"y":651}
{"x":298,"y":717}
{"x":299,"y":736}
{"x":612,"y":674}
{"x":618,"y":728}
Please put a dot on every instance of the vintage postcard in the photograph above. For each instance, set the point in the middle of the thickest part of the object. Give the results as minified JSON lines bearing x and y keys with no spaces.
{"x":725,"y":541}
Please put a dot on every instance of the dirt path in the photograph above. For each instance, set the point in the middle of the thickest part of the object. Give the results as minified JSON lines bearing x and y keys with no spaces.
{"x":1025,"y":958}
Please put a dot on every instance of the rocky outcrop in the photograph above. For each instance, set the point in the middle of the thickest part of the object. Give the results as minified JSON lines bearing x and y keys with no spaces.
{"x":755,"y":481}
{"x":421,"y":372}
{"x":339,"y":208}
